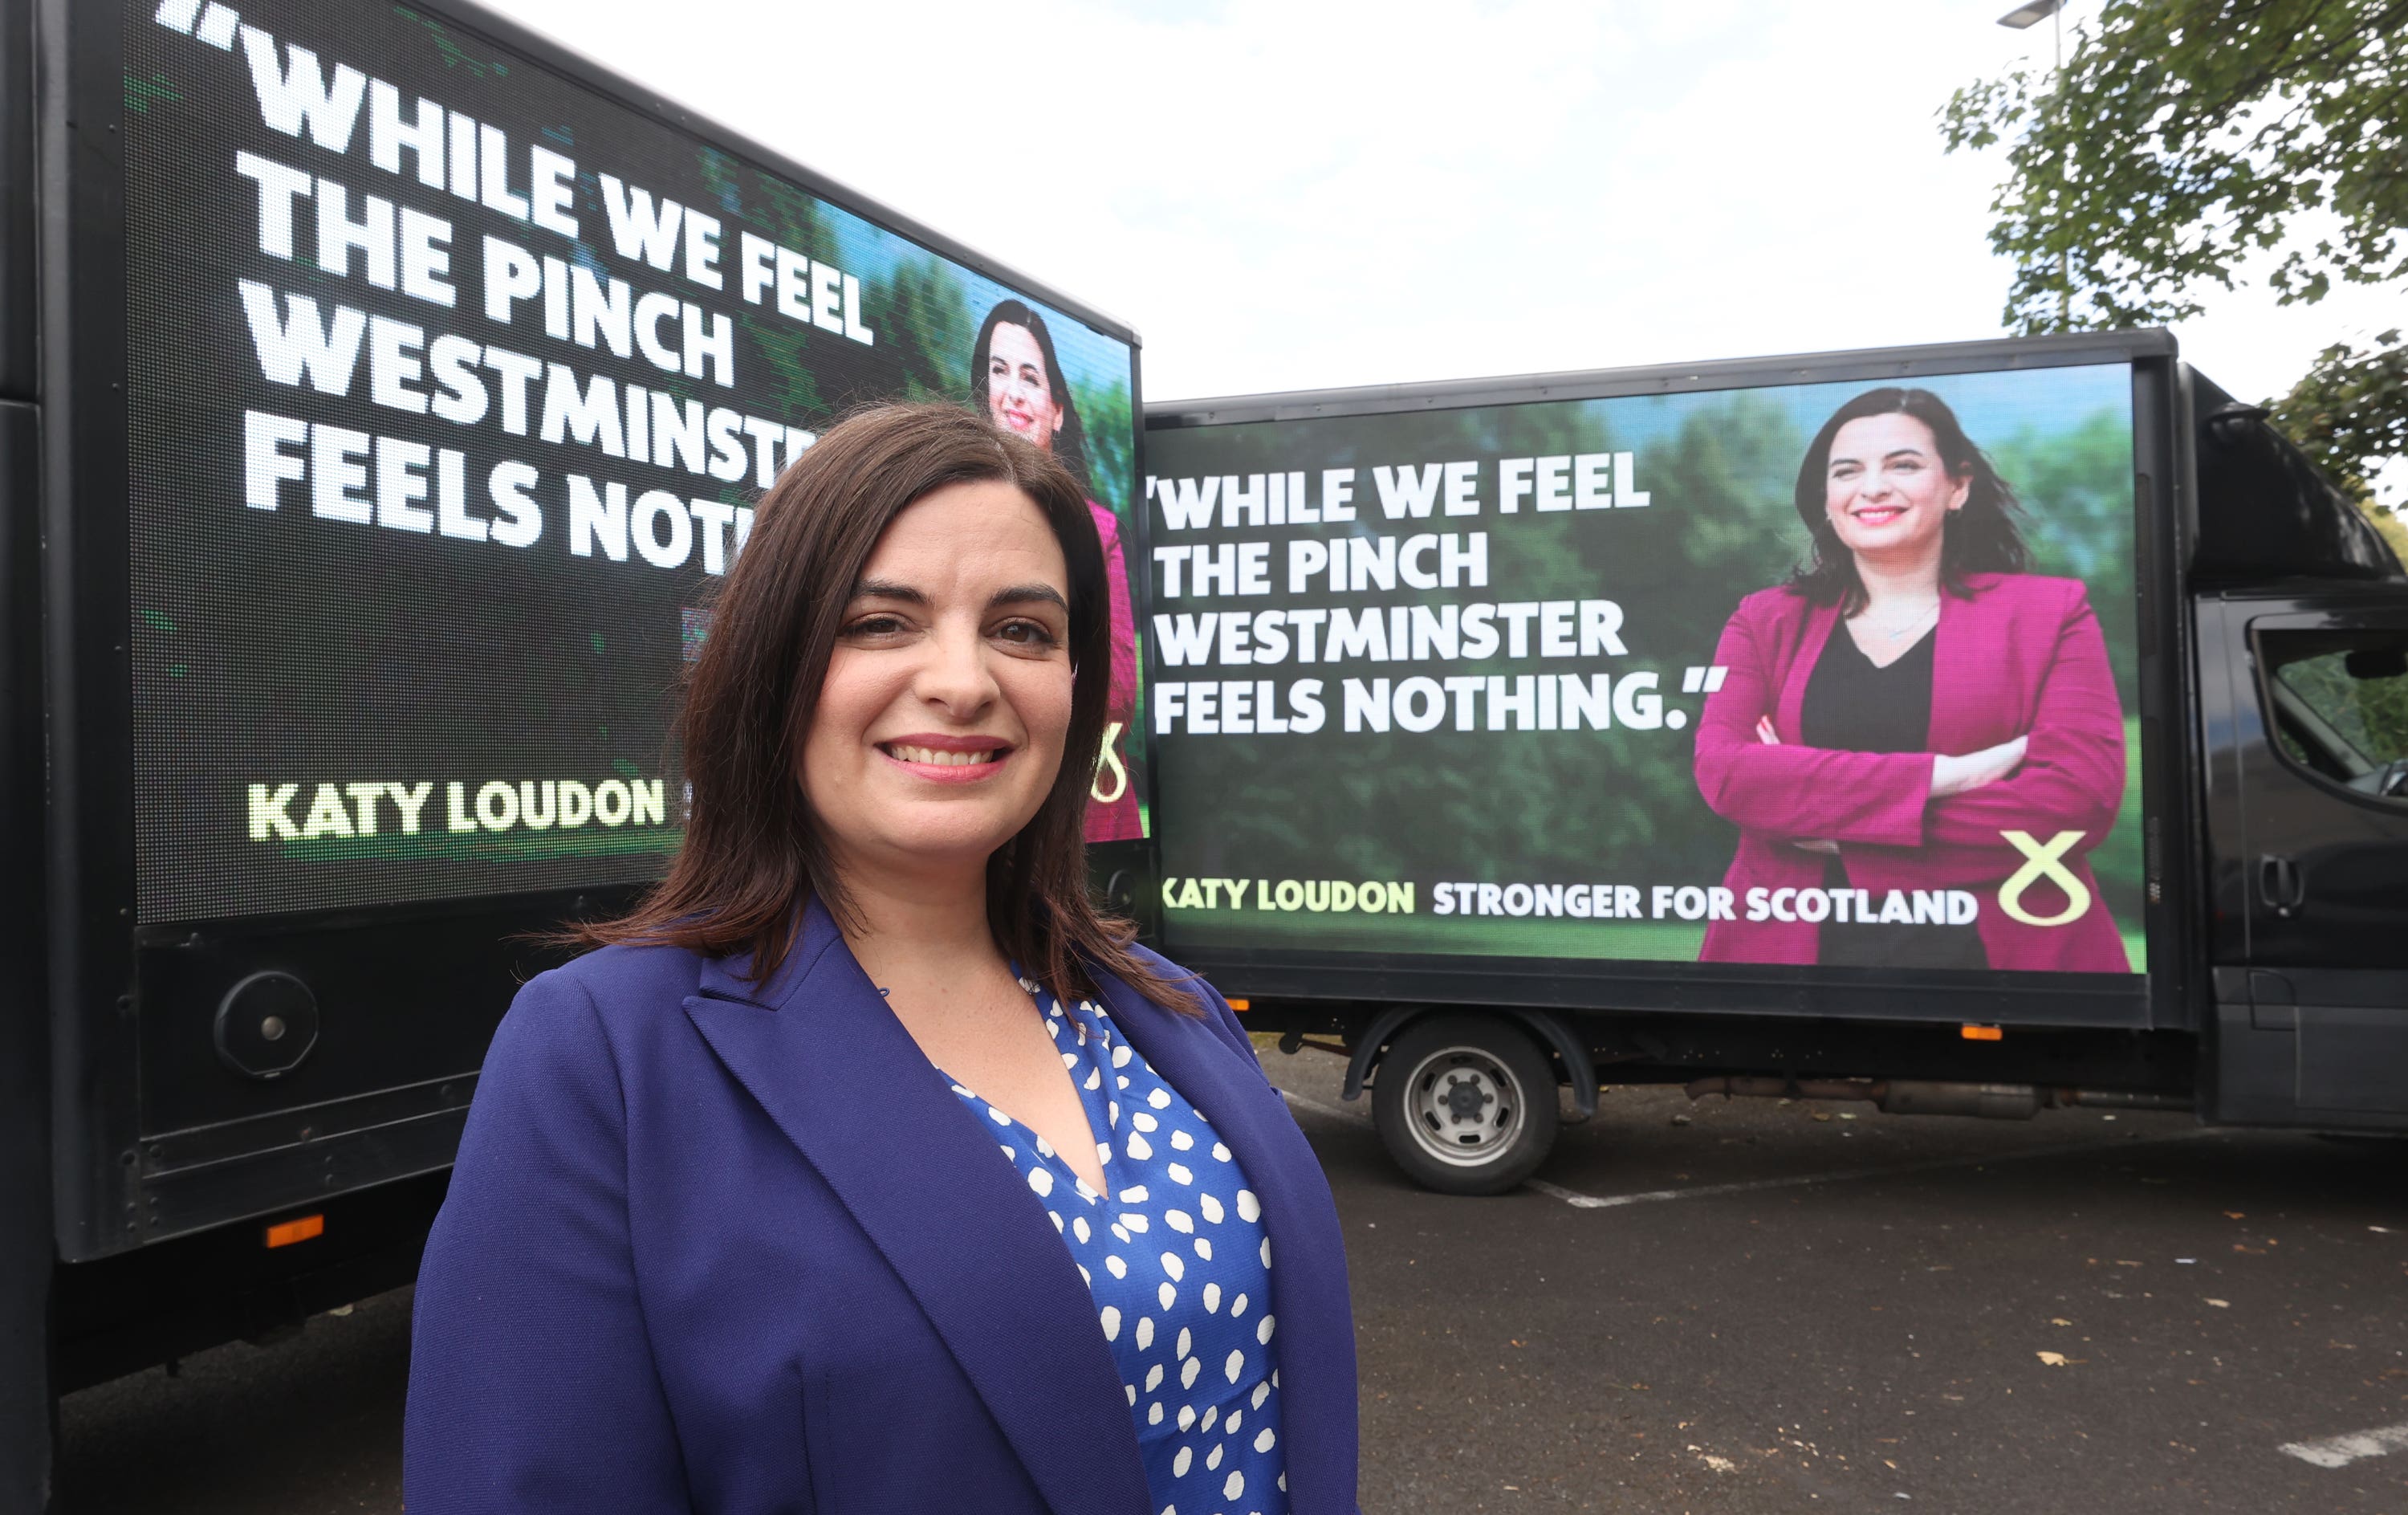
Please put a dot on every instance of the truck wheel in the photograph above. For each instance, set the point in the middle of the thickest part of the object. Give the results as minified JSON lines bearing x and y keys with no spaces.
{"x":1465,"y":1105}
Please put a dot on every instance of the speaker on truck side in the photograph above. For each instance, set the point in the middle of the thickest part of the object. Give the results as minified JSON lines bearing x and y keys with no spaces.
{"x":267,"y":1024}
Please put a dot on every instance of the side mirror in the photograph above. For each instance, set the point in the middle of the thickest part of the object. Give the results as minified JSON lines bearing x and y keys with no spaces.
{"x":2367,"y":663}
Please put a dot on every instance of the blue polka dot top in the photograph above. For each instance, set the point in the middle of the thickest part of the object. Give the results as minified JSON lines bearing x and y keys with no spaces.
{"x":1180,"y":1266}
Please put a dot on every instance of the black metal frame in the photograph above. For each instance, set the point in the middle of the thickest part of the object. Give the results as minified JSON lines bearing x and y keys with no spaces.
{"x":25,"y":1260}
{"x":17,"y":263}
{"x":2167,"y":996}
{"x":24,"y":1028}
{"x":115,"y":1187}
{"x":91,"y":843}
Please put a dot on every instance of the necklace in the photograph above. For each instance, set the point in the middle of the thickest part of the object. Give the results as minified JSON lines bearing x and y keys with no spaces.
{"x":1904,"y":628}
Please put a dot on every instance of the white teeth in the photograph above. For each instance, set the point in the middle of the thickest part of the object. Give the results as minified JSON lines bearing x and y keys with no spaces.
{"x":941,"y":759}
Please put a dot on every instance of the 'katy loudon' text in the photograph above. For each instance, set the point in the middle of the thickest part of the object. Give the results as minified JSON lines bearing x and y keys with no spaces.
{"x":373,"y":807}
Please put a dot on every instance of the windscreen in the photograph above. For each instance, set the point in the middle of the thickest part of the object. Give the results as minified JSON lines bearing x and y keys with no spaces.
{"x":454,"y":386}
{"x":1826,"y":674}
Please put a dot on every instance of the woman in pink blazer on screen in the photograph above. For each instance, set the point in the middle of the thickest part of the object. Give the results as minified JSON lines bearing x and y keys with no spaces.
{"x":1017,"y":377}
{"x":1905,"y":703}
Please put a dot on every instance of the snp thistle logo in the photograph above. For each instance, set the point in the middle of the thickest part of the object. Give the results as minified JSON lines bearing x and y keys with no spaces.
{"x":1108,"y":763}
{"x":2040,"y":862}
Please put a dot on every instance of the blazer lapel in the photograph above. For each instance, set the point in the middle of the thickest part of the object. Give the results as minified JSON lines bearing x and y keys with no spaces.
{"x":1821,"y":621}
{"x":1969,"y":692}
{"x":1308,"y":1297}
{"x":839,"y":1074}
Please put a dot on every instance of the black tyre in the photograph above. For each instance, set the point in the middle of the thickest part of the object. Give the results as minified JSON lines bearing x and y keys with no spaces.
{"x":1464,"y":1103}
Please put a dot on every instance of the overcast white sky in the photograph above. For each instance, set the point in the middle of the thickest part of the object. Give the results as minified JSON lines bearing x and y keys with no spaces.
{"x":1292,"y":194}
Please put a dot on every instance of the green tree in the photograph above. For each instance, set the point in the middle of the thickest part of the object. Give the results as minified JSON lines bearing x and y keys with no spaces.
{"x":2350,"y":411}
{"x":928,"y":321}
{"x":2183,"y":138}
{"x":1111,"y":444}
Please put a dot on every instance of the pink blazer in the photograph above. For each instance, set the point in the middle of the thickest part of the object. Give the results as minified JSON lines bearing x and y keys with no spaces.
{"x":1119,"y":818}
{"x":2022,"y":657}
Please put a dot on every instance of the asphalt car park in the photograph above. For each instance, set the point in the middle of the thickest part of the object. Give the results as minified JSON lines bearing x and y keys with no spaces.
{"x":1725,"y":1306}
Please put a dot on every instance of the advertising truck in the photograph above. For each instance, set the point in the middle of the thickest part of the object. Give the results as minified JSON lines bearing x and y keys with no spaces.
{"x":382,"y":391}
{"x":1971,"y":729}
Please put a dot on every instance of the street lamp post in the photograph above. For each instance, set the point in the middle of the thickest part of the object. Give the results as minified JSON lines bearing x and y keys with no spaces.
{"x":2017,"y":19}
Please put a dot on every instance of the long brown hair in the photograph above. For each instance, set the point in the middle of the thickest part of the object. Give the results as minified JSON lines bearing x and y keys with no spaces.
{"x":754,"y":851}
{"x":1981,"y":537}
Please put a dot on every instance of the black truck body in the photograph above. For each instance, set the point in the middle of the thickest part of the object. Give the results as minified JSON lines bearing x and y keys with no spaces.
{"x":2257,"y":868}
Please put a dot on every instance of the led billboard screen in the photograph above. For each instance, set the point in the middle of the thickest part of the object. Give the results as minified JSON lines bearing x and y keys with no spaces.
{"x":1830,"y":674}
{"x":451,"y":385}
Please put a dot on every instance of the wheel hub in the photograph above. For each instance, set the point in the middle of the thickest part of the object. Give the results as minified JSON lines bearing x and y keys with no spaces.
{"x":1466,"y":1095}
{"x":1463,"y":1107}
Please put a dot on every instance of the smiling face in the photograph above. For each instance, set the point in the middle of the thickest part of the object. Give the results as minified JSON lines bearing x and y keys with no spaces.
{"x":1019,"y":396}
{"x":941,"y":727}
{"x":1888,"y":490}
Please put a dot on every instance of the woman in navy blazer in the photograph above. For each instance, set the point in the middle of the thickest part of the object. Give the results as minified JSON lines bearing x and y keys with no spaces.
{"x":721,"y":1238}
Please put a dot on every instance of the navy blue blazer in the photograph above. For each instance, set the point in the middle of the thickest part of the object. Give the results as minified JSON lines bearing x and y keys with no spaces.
{"x":714,"y":1245}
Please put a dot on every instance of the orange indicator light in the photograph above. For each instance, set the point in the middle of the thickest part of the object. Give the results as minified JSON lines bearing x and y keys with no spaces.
{"x":1241,"y":1007}
{"x":1982,"y":1033}
{"x":285,"y":1232}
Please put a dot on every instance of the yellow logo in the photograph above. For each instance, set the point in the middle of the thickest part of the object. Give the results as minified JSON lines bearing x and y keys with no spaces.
{"x":2040,"y":862}
{"x":1108,"y":761}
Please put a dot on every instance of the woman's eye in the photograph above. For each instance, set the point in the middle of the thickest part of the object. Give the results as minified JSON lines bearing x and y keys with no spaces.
{"x":875,"y":625}
{"x":1025,"y":633}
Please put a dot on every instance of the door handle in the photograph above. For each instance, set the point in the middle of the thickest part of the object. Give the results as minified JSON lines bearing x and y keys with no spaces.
{"x":2280,"y":885}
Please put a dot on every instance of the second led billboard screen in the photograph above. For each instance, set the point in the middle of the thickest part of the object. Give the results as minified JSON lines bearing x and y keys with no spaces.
{"x":1660,"y":678}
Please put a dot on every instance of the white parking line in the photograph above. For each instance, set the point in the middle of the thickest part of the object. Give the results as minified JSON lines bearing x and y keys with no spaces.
{"x":1585,"y":1202}
{"x":2339,"y":1452}
{"x":1319,"y":1107}
{"x":1606,"y":1201}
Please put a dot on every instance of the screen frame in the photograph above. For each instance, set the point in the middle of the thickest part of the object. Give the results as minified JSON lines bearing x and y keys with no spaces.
{"x":2158,"y":998}
{"x":105,"y":1197}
